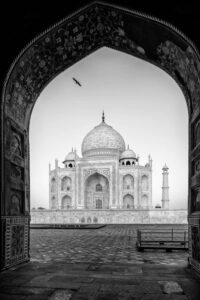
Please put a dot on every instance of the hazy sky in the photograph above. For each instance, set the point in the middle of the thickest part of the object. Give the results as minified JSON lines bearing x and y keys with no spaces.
{"x":142,"y":102}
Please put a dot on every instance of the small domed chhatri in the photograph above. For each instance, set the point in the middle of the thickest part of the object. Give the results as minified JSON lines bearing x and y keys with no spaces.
{"x":71,"y":156}
{"x":70,"y":159}
{"x":128,"y":153}
{"x":106,"y":179}
{"x":102,"y":140}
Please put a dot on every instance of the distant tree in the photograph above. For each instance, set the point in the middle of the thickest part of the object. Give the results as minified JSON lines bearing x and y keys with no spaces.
{"x":33,"y":208}
{"x":41,"y":207}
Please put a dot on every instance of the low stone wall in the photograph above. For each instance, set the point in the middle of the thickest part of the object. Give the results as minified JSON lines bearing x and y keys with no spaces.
{"x":153,"y":216}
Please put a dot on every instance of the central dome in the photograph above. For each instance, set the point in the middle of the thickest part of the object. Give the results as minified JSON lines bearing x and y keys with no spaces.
{"x":103,"y":140}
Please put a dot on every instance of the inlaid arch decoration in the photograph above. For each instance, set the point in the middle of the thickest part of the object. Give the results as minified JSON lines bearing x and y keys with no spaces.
{"x":66,"y":184}
{"x":103,"y":171}
{"x":53,"y":203}
{"x":59,"y":47}
{"x":89,"y":220}
{"x":128,"y":201}
{"x":144,"y":202}
{"x":145,"y":182}
{"x":53,"y":185}
{"x":128,"y":182}
{"x":66,"y":202}
{"x":95,"y":220}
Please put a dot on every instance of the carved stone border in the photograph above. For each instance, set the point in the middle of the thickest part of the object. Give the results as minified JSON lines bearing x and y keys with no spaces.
{"x":15,"y":232}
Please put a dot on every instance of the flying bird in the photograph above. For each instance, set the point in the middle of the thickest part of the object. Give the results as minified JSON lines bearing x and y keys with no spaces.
{"x":76,"y":81}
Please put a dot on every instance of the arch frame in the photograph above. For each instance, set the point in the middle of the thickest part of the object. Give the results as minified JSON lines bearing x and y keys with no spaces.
{"x":132,"y":181}
{"x":66,"y":179}
{"x":41,"y":61}
{"x":68,"y":199}
{"x":101,"y":174}
{"x":130,"y":196}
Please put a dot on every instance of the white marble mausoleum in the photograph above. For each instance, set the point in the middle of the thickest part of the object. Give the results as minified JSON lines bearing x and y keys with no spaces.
{"x":108,"y":176}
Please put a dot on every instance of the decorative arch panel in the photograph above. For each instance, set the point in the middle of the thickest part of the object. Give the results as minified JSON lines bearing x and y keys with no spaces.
{"x":66,"y":184}
{"x":145,"y":182}
{"x":128,"y":182}
{"x":96,"y":192}
{"x":66,"y":202}
{"x":128,"y":201}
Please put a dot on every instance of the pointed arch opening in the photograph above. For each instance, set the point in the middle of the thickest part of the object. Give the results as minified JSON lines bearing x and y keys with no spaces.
{"x":66,"y":202}
{"x":96,"y":192}
{"x":66,"y":184}
{"x":128,"y":182}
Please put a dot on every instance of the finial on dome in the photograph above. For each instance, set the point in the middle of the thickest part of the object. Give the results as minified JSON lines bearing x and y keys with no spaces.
{"x":103,"y":117}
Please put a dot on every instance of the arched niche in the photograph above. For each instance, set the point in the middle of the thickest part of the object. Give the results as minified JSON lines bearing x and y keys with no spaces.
{"x":144,"y":182}
{"x":95,"y":220}
{"x":58,"y":48}
{"x":53,"y":185}
{"x":144,"y":201}
{"x":128,"y":201}
{"x":89,"y":220}
{"x":66,"y":183}
{"x":82,"y":220}
{"x":53,"y":203}
{"x":66,"y":202}
{"x":128,"y":182}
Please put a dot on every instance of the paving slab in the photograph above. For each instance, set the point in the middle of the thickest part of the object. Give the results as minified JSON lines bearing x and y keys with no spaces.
{"x":61,"y":294}
{"x":97,"y":264}
{"x":171,"y":287}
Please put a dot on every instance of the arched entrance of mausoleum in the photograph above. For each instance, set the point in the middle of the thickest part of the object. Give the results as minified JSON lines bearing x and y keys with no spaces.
{"x":96,"y":192}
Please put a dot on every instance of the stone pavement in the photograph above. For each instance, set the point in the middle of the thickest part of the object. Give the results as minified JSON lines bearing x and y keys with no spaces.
{"x":110,"y":244}
{"x":98,"y":264}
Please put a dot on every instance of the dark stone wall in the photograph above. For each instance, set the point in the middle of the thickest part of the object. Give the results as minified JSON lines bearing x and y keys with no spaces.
{"x":21,"y":22}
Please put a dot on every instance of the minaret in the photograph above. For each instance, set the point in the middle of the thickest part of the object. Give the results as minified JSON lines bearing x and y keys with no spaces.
{"x":150,"y":160}
{"x":49,"y":168}
{"x":165,"y":188}
{"x":56,"y":163}
{"x":103,"y":117}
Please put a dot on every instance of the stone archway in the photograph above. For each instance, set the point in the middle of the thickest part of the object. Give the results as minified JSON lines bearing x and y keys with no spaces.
{"x":96,"y":192}
{"x":56,"y":49}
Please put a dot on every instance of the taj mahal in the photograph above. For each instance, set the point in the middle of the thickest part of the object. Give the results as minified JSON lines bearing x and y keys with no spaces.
{"x":108,"y":176}
{"x":107,"y":185}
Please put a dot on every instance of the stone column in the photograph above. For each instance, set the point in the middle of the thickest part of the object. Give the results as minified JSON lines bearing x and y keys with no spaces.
{"x":165,"y":188}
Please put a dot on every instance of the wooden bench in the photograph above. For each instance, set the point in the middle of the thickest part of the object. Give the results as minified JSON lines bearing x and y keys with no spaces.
{"x":162,"y":239}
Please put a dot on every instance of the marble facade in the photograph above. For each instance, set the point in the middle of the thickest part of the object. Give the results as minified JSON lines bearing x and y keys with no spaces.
{"x":107,"y":176}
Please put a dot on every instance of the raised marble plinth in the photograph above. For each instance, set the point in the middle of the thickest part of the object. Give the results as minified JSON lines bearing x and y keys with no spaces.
{"x":153,"y":216}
